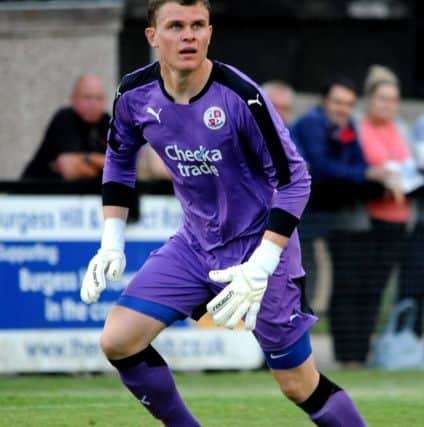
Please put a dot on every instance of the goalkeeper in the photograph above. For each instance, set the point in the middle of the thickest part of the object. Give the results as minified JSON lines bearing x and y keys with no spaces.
{"x":242,"y":187}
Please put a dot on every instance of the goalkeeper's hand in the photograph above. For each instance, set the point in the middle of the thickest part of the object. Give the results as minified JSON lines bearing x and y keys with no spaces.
{"x":106,"y":264}
{"x":109,"y":262}
{"x":248,"y":283}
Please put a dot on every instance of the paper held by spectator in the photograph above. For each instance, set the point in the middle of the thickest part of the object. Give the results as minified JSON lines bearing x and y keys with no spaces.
{"x":407,"y":176}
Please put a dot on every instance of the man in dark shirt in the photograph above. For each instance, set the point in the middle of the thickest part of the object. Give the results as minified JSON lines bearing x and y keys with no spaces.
{"x":75,"y":141}
{"x":327,"y":138}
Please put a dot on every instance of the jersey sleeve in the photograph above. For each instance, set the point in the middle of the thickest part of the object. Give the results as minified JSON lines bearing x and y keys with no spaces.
{"x":269,"y":142}
{"x":120,"y":169}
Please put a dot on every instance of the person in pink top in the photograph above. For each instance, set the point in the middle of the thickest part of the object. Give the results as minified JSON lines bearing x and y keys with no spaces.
{"x":383,"y":144}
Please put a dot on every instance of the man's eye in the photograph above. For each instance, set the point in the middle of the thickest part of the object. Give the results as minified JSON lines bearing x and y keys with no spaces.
{"x":198,"y":25}
{"x":175,"y":26}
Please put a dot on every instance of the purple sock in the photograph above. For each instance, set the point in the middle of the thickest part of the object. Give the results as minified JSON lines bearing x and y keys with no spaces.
{"x":338,"y":411}
{"x":149,"y":379}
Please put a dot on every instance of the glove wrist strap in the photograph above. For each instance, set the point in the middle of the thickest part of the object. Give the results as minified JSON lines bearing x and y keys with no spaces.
{"x":113,"y":234}
{"x":267,"y":256}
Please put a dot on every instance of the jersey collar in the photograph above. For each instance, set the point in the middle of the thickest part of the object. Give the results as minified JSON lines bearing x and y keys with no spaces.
{"x":195,"y":97}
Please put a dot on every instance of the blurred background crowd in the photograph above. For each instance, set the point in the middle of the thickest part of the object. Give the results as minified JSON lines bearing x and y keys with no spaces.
{"x":345,"y":77}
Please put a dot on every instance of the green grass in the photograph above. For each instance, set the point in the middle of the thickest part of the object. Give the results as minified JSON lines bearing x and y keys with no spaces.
{"x":218,"y":400}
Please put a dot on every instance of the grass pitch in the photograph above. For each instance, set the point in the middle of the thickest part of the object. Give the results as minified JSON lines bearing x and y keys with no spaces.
{"x":217,"y":400}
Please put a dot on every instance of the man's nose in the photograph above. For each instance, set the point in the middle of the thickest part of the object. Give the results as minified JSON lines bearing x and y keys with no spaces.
{"x":187,"y":34}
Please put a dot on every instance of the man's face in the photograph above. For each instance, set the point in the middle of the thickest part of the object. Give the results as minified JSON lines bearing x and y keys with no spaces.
{"x":88,"y":99}
{"x":339,"y":104}
{"x":181,"y":35}
{"x":282,"y":100}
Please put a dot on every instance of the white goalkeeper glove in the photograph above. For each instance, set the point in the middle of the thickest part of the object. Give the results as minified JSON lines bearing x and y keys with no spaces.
{"x":244,"y":294}
{"x":108,"y":263}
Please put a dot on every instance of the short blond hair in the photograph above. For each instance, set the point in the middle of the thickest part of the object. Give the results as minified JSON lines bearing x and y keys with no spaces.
{"x":378,"y":75}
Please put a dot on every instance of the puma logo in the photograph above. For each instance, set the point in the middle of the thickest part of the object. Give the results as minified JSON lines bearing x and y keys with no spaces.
{"x":254,"y":101}
{"x":155,"y":114}
{"x":293,"y":316}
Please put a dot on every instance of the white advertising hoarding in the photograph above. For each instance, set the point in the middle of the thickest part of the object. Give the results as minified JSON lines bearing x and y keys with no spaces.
{"x":45,"y":245}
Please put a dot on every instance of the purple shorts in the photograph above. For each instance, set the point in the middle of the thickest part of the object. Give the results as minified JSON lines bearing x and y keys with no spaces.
{"x":173,"y":283}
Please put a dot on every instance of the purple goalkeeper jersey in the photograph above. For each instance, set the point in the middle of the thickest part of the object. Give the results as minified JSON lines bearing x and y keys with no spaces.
{"x":233,"y":165}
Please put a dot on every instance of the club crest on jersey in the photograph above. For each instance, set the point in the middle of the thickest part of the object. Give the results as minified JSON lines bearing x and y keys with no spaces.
{"x":214,"y":118}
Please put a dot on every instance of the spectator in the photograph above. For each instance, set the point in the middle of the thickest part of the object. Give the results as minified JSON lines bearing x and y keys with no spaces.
{"x":329,"y":141}
{"x":412,"y":266}
{"x":282,"y":98}
{"x":411,"y":284}
{"x":327,"y":137}
{"x":75,"y":141}
{"x":418,"y":141}
{"x":384,"y":141}
{"x":419,"y":129}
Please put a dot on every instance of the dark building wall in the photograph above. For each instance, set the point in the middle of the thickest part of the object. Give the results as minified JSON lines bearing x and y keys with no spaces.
{"x":277,"y":41}
{"x":306,"y":53}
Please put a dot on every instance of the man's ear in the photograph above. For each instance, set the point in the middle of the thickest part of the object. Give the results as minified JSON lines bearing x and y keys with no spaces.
{"x":150,"y":34}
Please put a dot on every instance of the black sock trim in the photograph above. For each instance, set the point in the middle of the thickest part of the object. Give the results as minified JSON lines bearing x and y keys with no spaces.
{"x":320,"y":395}
{"x":149,"y":356}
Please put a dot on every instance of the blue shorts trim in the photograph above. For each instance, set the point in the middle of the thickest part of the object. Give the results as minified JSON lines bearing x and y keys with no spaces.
{"x":291,"y":356}
{"x":158,"y":311}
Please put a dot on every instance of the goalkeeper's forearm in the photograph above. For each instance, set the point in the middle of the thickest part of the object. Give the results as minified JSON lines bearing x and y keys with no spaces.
{"x":109,"y":262}
{"x":115,"y":218}
{"x":276,"y":238}
{"x":115,"y":212}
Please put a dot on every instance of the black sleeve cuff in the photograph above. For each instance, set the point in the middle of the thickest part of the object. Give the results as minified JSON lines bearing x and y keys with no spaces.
{"x":115,"y":194}
{"x":282,"y":222}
